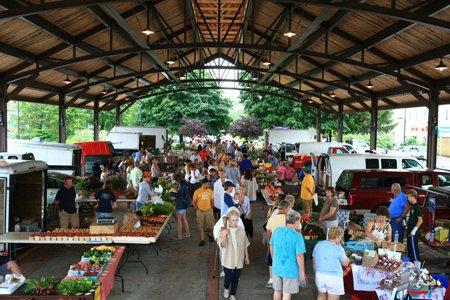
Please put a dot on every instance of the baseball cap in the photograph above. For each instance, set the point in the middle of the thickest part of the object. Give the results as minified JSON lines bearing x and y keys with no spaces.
{"x":227,"y":184}
{"x":147,"y":174}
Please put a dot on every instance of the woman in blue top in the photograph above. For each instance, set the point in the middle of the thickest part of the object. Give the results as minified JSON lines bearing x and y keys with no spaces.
{"x":328,"y":259}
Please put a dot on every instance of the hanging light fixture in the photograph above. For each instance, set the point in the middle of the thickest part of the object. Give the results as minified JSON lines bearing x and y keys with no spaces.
{"x":104,"y":92}
{"x":67,"y":80}
{"x":332,"y":94}
{"x":147,"y":31}
{"x":254,"y":76}
{"x":265,"y":62}
{"x":170,"y":61}
{"x":441,"y":66}
{"x":289,"y":34}
{"x":369,"y":85}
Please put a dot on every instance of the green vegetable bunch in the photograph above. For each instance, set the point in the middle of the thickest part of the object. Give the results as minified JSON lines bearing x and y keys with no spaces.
{"x":155,"y":209}
{"x":100,"y":257}
{"x":75,"y":287}
{"x":44,"y":286}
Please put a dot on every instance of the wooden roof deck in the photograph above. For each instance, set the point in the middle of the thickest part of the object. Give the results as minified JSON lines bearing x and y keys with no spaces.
{"x":336,"y":50}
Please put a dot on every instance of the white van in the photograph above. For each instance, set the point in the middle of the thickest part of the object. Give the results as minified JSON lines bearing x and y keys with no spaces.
{"x":324,"y":147}
{"x":327,"y":168}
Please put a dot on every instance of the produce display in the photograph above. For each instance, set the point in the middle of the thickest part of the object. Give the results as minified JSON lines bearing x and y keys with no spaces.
{"x":82,"y":276}
{"x":60,"y":234}
{"x":44,"y":286}
{"x":384,"y":263}
{"x":76,"y":286}
{"x":156,"y":209}
{"x":143,"y":231}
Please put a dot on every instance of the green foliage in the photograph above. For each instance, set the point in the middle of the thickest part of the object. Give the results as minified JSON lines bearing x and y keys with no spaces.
{"x":272,"y":110}
{"x":412,"y":140}
{"x":208,"y":106}
{"x":44,"y":286}
{"x":156,"y":209}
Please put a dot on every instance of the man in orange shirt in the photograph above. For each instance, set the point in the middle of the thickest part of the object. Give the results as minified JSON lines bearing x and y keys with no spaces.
{"x":307,"y":191}
{"x":203,"y":201}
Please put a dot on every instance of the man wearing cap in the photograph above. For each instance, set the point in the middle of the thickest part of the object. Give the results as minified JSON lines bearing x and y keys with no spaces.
{"x":307,"y":191}
{"x":228,"y":200}
{"x":203,"y":201}
{"x":145,"y":191}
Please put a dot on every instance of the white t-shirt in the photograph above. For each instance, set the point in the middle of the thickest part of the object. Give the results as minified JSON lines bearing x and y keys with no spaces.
{"x":218,"y":193}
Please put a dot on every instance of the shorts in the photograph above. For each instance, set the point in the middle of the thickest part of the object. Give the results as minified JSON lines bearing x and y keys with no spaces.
{"x":285,"y":285}
{"x":216,"y":211}
{"x":66,"y":219}
{"x":181,"y":211}
{"x":205,"y":220}
{"x":331,"y":284}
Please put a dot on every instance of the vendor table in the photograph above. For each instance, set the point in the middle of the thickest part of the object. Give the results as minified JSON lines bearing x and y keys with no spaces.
{"x":362,"y":283}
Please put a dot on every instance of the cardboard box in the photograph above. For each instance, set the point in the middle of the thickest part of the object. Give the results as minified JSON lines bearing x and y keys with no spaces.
{"x":103,"y":229}
{"x":370,"y":258}
{"x":441,"y":234}
{"x":356,"y":233}
{"x":399,"y":247}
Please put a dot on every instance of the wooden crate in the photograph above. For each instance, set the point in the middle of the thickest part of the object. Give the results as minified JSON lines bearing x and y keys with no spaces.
{"x":103,"y":229}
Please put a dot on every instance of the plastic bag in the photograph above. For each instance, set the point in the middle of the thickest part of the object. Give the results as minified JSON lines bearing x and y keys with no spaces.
{"x":316,"y":199}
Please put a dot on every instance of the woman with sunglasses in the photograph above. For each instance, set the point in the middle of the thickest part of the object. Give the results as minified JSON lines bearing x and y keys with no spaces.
{"x":379,"y":230}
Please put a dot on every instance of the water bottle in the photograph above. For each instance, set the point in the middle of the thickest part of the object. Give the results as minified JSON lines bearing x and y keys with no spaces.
{"x":396,"y":237}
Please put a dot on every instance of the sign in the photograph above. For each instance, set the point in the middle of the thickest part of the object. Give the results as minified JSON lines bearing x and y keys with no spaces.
{"x":367,"y":279}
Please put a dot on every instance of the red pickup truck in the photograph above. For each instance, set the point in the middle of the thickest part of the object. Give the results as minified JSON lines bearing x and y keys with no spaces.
{"x":365,"y":190}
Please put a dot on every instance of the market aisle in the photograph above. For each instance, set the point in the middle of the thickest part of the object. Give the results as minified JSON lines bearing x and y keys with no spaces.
{"x":179,"y":272}
{"x":254,"y":277}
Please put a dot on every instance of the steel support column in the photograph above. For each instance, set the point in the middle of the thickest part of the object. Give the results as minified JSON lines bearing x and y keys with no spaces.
{"x":373,"y":123}
{"x":318,"y":125}
{"x":3,"y":118}
{"x":433,"y":112}
{"x":118,"y":115}
{"x":340,"y":132}
{"x":62,"y":118}
{"x":96,"y":119}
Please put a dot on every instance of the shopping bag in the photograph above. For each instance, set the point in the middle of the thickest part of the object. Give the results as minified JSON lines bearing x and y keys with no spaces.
{"x":316,"y":199}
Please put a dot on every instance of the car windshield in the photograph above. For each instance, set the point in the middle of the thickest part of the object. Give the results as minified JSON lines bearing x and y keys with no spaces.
{"x":90,"y":161}
{"x":345,"y":180}
{"x":444,"y":179}
{"x":411,"y":164}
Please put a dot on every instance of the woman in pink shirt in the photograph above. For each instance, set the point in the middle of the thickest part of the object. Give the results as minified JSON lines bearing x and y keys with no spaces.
{"x":281,"y":172}
{"x":289,"y":172}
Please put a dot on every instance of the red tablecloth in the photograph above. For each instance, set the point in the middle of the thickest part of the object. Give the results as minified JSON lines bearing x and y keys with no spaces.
{"x":107,"y":277}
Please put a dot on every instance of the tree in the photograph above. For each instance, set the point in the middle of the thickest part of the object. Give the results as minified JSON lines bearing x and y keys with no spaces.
{"x":273,"y":111}
{"x":246,"y":127}
{"x":208,"y":106}
{"x":192,"y":127}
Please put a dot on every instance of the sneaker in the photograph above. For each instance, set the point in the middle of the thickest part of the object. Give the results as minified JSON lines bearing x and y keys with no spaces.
{"x":269,"y":283}
{"x":211,"y":238}
{"x":226,"y":293}
{"x":187,"y":236}
{"x":222,"y":274}
{"x":232,"y":297}
{"x":202,"y":243}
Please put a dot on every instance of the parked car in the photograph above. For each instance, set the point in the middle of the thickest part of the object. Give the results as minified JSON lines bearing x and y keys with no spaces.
{"x":426,"y":178}
{"x":365,"y":190}
{"x":419,"y":152}
{"x":327,"y":168}
{"x":324,"y":147}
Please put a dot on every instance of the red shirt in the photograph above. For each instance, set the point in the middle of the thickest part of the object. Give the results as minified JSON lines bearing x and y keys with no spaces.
{"x":289,"y":173}
{"x":203,"y":155}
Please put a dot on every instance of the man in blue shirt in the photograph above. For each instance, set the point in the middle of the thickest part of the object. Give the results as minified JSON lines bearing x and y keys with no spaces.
{"x":246,"y":164}
{"x":287,"y":248}
{"x":397,"y":211}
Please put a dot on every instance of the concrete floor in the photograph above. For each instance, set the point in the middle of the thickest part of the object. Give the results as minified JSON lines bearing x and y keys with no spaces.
{"x":181,"y":269}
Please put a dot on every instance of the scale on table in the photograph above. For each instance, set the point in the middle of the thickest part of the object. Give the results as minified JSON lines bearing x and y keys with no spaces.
{"x":106,"y":221}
